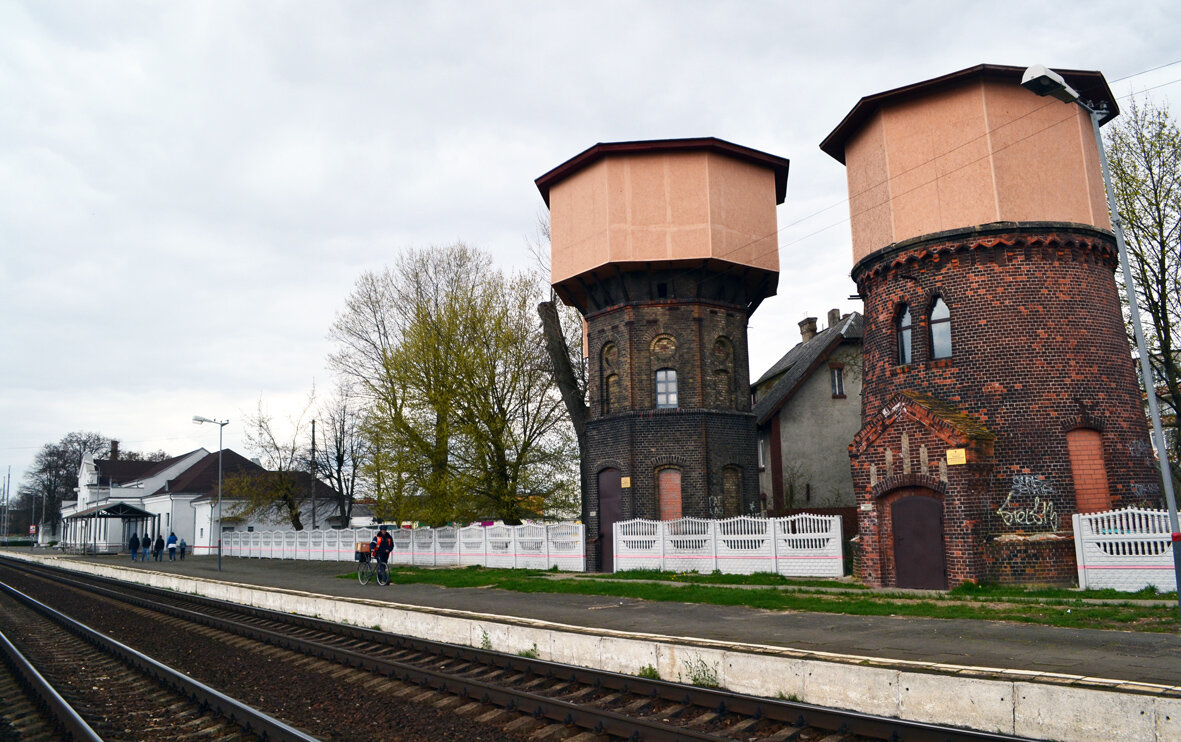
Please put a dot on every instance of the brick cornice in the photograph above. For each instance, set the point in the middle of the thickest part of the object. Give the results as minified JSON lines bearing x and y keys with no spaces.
{"x":1081,"y":242}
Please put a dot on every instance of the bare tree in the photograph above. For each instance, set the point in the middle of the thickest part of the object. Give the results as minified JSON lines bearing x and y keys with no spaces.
{"x":340,"y":460}
{"x":1145,"y":153}
{"x":282,"y":489}
{"x":54,"y":474}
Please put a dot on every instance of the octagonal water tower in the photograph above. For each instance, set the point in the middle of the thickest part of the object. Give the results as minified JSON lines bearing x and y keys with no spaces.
{"x":666,"y":247}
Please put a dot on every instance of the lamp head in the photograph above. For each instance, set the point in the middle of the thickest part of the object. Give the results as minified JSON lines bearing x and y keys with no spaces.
{"x":197,"y":420}
{"x":1045,"y":81}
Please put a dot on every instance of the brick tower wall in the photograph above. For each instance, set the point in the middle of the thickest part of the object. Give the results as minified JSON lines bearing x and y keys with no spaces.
{"x":1039,"y":351}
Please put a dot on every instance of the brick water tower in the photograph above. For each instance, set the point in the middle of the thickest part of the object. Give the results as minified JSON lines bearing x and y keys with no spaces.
{"x":666,"y":248}
{"x":999,"y":395}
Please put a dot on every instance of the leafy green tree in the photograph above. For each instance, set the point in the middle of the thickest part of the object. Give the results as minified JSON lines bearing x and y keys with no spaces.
{"x":461,"y":418}
{"x":1144,"y":149}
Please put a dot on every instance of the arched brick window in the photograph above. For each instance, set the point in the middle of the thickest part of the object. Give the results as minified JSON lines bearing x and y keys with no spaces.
{"x":668,"y":493}
{"x":666,"y":388}
{"x":940,"y":329}
{"x":1090,"y":472}
{"x":902,"y":328}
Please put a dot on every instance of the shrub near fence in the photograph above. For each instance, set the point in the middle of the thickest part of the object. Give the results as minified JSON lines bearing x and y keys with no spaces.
{"x":797,"y":546}
{"x":1127,"y":549}
{"x":559,"y":545}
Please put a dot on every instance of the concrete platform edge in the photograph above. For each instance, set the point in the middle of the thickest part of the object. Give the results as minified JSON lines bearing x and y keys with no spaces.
{"x":1028,"y":704}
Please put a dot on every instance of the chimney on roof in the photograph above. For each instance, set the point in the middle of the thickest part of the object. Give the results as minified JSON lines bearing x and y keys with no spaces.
{"x":834,"y":316}
{"x":808,"y":328}
{"x":114,"y":450}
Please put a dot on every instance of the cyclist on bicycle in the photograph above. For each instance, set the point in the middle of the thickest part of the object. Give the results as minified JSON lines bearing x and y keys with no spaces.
{"x":381,"y":545}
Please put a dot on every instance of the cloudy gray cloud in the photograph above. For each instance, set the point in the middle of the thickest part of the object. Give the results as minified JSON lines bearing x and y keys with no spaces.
{"x":189,"y":189}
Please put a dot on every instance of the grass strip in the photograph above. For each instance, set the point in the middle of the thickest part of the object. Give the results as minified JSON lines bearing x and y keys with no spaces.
{"x":1059,"y":608}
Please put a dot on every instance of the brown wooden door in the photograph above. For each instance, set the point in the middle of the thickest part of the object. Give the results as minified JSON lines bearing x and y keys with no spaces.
{"x":610,"y":511}
{"x":919,"y":560}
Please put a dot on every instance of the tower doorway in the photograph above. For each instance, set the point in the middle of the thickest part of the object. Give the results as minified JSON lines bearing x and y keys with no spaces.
{"x":919,"y":558}
{"x":610,"y":496}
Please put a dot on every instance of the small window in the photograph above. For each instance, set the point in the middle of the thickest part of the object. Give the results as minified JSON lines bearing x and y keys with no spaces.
{"x":940,"y":329}
{"x":837,"y":376}
{"x":666,"y":388}
{"x":903,"y":328}
{"x":250,"y":529}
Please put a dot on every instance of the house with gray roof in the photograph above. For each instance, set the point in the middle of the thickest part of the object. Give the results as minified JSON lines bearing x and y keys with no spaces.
{"x":808,"y":408}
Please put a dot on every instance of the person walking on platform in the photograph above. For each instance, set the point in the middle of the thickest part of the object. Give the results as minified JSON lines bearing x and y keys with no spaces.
{"x":172,"y":547}
{"x":183,"y":546}
{"x":159,"y":552}
{"x":133,"y":545}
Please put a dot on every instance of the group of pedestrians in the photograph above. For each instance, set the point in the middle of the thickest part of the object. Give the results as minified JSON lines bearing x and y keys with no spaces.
{"x":140,"y":548}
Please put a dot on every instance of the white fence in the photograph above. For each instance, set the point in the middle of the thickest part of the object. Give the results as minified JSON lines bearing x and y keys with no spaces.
{"x":525,"y":547}
{"x":797,"y":546}
{"x":1127,"y":549}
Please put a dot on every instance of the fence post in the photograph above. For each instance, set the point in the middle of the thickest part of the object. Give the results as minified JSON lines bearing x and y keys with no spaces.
{"x":716,"y":534}
{"x":513,"y":543}
{"x":1079,"y":551}
{"x":662,"y":535}
{"x":547,"y":561}
{"x":773,"y":532}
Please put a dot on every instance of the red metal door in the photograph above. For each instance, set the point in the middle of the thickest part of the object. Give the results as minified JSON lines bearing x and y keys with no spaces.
{"x":919,"y":560}
{"x":610,"y":510}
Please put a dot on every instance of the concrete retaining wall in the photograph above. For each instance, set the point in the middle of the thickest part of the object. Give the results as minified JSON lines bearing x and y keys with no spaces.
{"x":1023,"y":703}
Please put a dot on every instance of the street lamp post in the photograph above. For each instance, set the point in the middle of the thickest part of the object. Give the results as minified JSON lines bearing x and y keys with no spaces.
{"x":1044,"y":81}
{"x":221,"y":424}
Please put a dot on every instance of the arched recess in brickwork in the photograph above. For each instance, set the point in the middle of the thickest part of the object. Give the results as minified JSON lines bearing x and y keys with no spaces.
{"x":731,"y":491}
{"x":721,"y":382}
{"x":1089,"y":470}
{"x":668,"y":492}
{"x":610,"y":395}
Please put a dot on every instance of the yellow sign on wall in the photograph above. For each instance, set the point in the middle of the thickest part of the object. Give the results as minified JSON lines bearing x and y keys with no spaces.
{"x":625,"y":482}
{"x":957,"y":456}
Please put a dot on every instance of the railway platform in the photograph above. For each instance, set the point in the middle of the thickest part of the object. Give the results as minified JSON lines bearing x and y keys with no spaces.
{"x":988,"y":675}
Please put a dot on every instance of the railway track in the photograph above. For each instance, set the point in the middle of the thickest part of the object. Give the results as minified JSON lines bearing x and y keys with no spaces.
{"x":524,"y":696}
{"x":92,"y":687}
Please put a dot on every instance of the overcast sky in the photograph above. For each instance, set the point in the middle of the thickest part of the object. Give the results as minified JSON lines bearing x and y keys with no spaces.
{"x":188,"y":190}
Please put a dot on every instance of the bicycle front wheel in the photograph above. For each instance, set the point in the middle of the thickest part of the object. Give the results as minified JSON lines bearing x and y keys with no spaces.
{"x":364,"y":572}
{"x":383,"y":574}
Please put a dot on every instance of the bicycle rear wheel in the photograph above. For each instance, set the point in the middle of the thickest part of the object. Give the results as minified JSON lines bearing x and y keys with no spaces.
{"x":383,"y":573}
{"x":364,"y":572}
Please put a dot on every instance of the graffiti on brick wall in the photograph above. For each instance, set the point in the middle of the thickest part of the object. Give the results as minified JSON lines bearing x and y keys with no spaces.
{"x":1141,"y":450}
{"x":1029,"y":504}
{"x":1145,"y":492}
{"x":715,"y":506}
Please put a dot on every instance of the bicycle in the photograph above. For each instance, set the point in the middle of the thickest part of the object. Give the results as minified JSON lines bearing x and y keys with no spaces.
{"x":369,"y":568}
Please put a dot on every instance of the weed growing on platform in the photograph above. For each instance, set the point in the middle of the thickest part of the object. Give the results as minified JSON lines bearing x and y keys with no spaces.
{"x":649,"y":672}
{"x":530,"y":654}
{"x":700,"y":673}
{"x":485,"y":641}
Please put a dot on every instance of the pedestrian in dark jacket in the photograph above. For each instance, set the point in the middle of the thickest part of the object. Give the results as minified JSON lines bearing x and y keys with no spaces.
{"x":145,"y":545}
{"x":172,"y":547}
{"x":159,"y":547}
{"x":182,"y":548}
{"x":133,"y":544}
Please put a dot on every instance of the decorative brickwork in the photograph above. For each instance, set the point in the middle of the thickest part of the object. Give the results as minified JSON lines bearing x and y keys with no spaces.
{"x":1038,"y":349}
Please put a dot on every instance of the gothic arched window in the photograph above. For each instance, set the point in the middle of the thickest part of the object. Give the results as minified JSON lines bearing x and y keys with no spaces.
{"x":903,"y":328}
{"x":940,"y":329}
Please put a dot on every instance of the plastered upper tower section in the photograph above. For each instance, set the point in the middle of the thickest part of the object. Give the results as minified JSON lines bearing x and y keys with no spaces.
{"x":972,"y":147}
{"x":629,"y":206}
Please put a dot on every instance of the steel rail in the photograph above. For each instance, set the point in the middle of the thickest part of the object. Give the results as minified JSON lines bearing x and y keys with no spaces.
{"x":67,"y":719}
{"x":249,"y":718}
{"x":788,"y":712}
